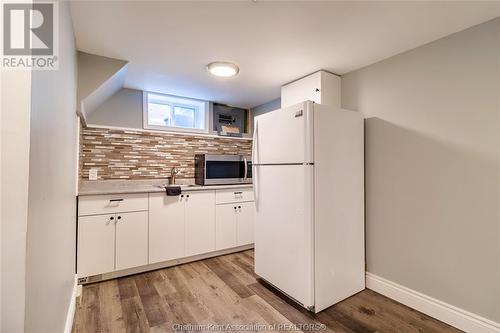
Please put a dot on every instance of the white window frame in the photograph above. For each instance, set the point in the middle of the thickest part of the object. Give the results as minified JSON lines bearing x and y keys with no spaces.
{"x":177,"y":101}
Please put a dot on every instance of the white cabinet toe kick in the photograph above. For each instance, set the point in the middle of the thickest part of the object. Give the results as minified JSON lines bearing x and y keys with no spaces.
{"x":125,"y":234}
{"x":160,"y":265}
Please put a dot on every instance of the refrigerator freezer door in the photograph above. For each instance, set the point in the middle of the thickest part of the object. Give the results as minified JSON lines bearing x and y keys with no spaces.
{"x":284,"y":229}
{"x":284,"y":136}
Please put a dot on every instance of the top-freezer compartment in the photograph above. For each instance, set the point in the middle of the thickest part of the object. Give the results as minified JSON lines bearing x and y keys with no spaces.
{"x":284,"y":136}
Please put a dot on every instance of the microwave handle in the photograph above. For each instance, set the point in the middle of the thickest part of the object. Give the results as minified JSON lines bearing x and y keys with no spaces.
{"x":246,"y":168}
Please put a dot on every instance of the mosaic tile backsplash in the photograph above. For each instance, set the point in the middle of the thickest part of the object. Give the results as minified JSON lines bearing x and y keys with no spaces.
{"x":128,"y":154}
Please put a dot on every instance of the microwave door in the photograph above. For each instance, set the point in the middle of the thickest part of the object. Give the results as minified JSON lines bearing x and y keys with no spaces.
{"x":227,"y":170}
{"x":248,"y":169}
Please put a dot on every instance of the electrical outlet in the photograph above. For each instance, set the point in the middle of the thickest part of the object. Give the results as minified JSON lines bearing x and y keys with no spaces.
{"x":93,"y":174}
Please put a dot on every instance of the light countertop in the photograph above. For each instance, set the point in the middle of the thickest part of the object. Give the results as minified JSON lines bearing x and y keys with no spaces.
{"x":143,"y":186}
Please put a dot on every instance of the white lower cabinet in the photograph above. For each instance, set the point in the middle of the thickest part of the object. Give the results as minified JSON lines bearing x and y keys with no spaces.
{"x":181,"y":226}
{"x":111,"y":242}
{"x":166,"y":227}
{"x":225,"y":226}
{"x":200,"y":222}
{"x":96,"y":244}
{"x":131,"y":247}
{"x":118,"y":232}
{"x":234,"y":224}
{"x":245,"y":217}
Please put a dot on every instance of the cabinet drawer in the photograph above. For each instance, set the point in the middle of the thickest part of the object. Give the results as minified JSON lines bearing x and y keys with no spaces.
{"x":236,"y":195}
{"x":113,"y":203}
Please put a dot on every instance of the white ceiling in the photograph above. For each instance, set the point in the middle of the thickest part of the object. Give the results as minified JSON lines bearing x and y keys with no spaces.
{"x":168,"y":44}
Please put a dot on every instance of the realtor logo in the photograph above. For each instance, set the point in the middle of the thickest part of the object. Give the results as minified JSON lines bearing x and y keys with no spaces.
{"x":29,"y":35}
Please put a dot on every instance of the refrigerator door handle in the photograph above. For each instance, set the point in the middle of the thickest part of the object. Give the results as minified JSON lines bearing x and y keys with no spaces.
{"x":254,"y":161}
{"x":255,"y":187}
{"x":254,"y":142}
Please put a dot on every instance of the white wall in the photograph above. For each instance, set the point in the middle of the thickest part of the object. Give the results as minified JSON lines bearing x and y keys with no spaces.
{"x":51,"y":238}
{"x":433,"y":167}
{"x":15,"y":147}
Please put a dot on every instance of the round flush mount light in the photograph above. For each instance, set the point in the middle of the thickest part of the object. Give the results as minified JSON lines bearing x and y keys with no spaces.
{"x":222,"y":69}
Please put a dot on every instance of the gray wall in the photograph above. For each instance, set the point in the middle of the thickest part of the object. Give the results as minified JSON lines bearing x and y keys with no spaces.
{"x":95,"y":71}
{"x":50,"y":261}
{"x":123,"y":109}
{"x":264,"y":108}
{"x":433,"y":167}
{"x":99,"y":78}
{"x":267,"y":107}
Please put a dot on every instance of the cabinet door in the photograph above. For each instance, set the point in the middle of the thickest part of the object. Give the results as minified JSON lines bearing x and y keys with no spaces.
{"x":131,"y":240}
{"x":225,"y":226}
{"x":246,"y":217}
{"x":166,"y":227}
{"x":200,"y":222}
{"x":96,"y":245}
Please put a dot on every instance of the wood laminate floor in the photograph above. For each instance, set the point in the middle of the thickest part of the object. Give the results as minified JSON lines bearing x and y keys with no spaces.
{"x":224,"y":290}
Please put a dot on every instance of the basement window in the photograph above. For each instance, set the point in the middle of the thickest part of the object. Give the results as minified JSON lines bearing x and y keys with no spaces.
{"x":172,"y":113}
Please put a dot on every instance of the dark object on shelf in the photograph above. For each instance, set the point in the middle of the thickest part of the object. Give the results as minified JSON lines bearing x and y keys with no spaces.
{"x":228,"y":120}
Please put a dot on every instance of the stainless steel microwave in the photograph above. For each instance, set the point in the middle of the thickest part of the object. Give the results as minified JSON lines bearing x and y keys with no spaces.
{"x":222,"y":169}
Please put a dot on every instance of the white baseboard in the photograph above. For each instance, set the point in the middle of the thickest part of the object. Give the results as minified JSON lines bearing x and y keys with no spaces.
{"x":459,"y":318}
{"x":71,"y":308}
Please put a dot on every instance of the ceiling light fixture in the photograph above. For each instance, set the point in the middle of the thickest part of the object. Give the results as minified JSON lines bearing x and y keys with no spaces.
{"x":222,"y":69}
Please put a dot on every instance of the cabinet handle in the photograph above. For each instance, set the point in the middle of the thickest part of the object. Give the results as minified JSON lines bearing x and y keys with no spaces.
{"x":111,"y":218}
{"x":119,"y":217}
{"x":115,"y":200}
{"x":182,"y":195}
{"x":187,"y":196}
{"x":234,"y":207}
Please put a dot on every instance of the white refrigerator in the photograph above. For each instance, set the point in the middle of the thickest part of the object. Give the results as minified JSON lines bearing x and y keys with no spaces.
{"x":308,"y":176}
